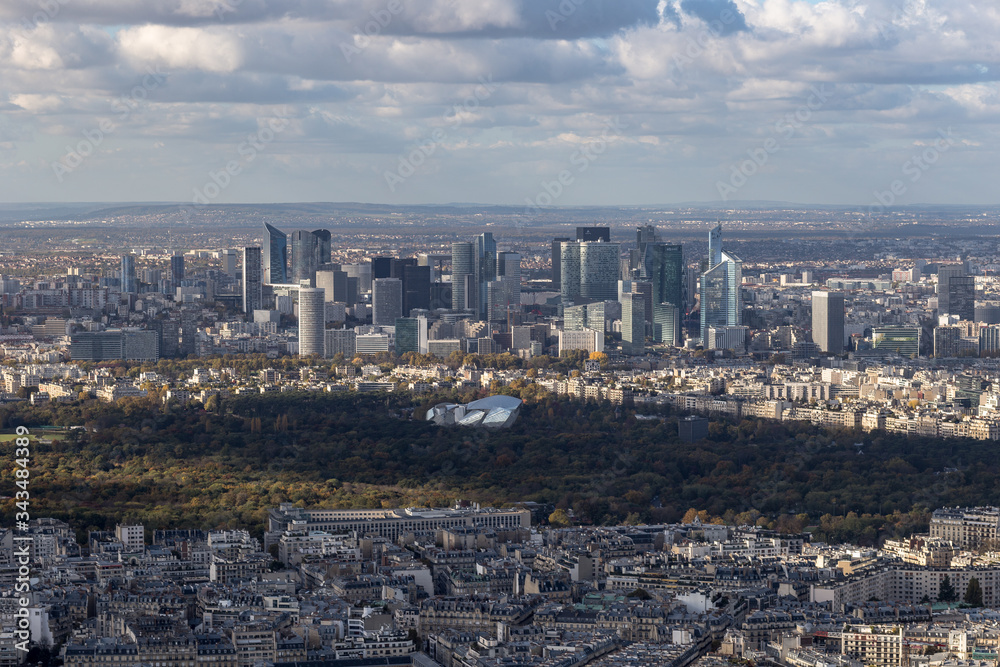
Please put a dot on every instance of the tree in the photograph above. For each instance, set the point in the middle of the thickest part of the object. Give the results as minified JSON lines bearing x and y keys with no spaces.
{"x":559,"y":519}
{"x":946,"y":592}
{"x":974,"y":593}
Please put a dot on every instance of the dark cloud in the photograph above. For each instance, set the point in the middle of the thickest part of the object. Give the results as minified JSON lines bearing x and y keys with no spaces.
{"x":722,"y":15}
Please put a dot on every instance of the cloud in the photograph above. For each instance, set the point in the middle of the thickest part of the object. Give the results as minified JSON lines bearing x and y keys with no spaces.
{"x":722,"y":15}
{"x":182,"y":48}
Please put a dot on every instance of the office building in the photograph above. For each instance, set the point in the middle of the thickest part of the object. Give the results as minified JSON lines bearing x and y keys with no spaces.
{"x":720,"y":287}
{"x":946,"y":341}
{"x":828,"y":321}
{"x":727,"y":338}
{"x":381,"y":267}
{"x":961,"y":298}
{"x":593,"y":234}
{"x":387,"y":301}
{"x":463,"y":267}
{"x":361,"y":274}
{"x":589,"y":271}
{"x":312,"y":321}
{"x":692,"y":428}
{"x":304,"y":251}
{"x":128,"y":279}
{"x":416,"y":287}
{"x":253,"y":298}
{"x":372,"y":343}
{"x":340,"y":341}
{"x":485,"y":272}
{"x":323,"y":246}
{"x":229,"y":262}
{"x":407,"y":335}
{"x":904,"y":341}
{"x":583,"y":339}
{"x":333,"y":282}
{"x":275,"y":251}
{"x":633,"y":323}
{"x":662,"y":265}
{"x":176,"y":273}
{"x":556,"y":263}
{"x":139,"y":345}
{"x":440,"y":297}
{"x":585,"y":316}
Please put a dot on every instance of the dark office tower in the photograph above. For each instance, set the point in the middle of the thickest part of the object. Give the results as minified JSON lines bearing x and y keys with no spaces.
{"x":486,"y":272}
{"x":593,"y":234}
{"x":129,"y":283}
{"x":253,"y":270}
{"x":323,"y":246}
{"x":463,"y":267}
{"x":569,"y":282}
{"x":961,"y":300}
{"x":176,"y":273}
{"x":168,"y":335}
{"x":275,"y":252}
{"x":643,"y":237}
{"x":416,"y":288}
{"x":381,"y":267}
{"x":304,"y":248}
{"x":557,"y":263}
{"x":189,"y":331}
{"x":440,"y":296}
{"x":387,"y":301}
{"x":828,"y":321}
{"x":397,"y":266}
{"x":662,"y":264}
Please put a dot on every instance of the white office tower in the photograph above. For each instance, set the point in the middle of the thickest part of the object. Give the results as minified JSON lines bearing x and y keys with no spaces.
{"x":312,"y":321}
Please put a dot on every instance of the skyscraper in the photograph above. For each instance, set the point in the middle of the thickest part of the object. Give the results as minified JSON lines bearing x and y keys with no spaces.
{"x":463,"y":267}
{"x":633,"y":323}
{"x":252,"y":275}
{"x":387,"y":301}
{"x":571,"y":271}
{"x":961,"y":298}
{"x":323,"y":246}
{"x":557,"y":263}
{"x":176,"y":273}
{"x":662,"y":264}
{"x":229,"y":263}
{"x":720,"y":287}
{"x":304,"y":248}
{"x":312,"y":321}
{"x":509,"y":277}
{"x":593,"y":234}
{"x":828,"y":321}
{"x":416,"y":287}
{"x":381,"y":267}
{"x":599,"y":270}
{"x":275,"y":252}
{"x":486,"y":271}
{"x":129,"y":283}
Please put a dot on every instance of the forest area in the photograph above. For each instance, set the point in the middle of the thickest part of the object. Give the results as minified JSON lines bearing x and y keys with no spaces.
{"x":185,"y":466}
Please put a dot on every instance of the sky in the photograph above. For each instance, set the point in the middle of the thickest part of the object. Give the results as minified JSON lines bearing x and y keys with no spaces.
{"x":520,"y":102}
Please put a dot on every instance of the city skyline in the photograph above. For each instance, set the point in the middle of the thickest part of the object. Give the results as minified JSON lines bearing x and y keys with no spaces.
{"x":525,"y":104}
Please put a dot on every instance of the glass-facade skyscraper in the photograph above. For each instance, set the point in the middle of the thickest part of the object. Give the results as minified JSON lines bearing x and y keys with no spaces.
{"x":720,"y":287}
{"x":463,"y":267}
{"x":129,"y":283}
{"x":662,"y":264}
{"x":275,"y":256}
{"x":252,"y":274}
{"x":486,"y":272}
